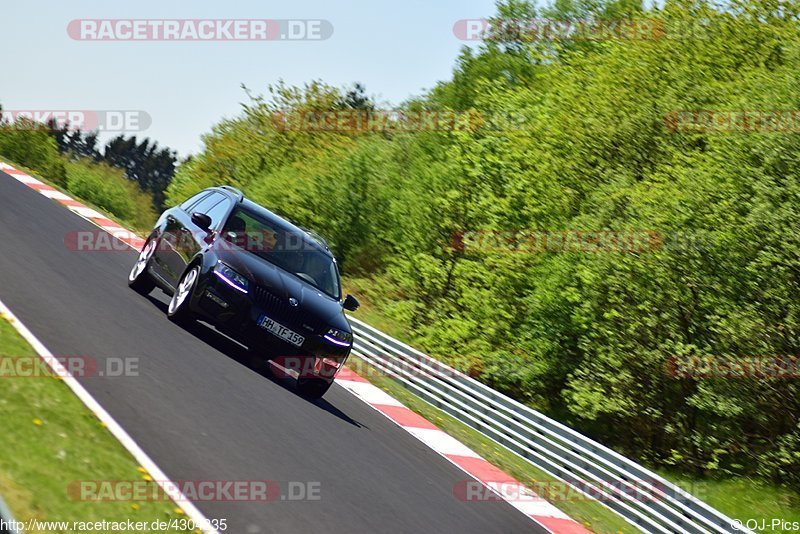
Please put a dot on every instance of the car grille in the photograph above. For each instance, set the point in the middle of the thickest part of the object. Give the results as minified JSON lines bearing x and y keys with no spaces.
{"x":279,"y":310}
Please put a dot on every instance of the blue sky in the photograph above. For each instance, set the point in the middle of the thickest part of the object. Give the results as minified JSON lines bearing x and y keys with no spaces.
{"x":397,"y":49}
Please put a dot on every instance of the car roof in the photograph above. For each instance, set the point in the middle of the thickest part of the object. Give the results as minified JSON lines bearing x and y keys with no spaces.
{"x":315,"y":239}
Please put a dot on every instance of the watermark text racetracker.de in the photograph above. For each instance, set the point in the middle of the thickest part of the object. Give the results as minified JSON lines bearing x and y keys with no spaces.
{"x":327,"y":366}
{"x":733,"y":121}
{"x":147,"y":490}
{"x":508,"y":30}
{"x":574,"y":240}
{"x":102,"y":120}
{"x":265,"y":241}
{"x":63,"y":366}
{"x":734,"y":367}
{"x":397,"y":120}
{"x":578,"y":491}
{"x":199,"y":30}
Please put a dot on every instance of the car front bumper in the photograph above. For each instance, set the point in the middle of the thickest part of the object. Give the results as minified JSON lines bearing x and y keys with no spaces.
{"x":238,"y":314}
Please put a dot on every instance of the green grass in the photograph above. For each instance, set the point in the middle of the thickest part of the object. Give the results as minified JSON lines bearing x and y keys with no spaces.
{"x":591,"y":514}
{"x":51,"y":439}
{"x":743,"y":498}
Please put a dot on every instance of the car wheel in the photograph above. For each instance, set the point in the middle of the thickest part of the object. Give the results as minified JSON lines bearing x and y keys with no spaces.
{"x":139,"y":279}
{"x":178,"y":310}
{"x":313,"y":388}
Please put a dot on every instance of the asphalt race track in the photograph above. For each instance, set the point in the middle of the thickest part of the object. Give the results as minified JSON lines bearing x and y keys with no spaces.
{"x":201,"y":413}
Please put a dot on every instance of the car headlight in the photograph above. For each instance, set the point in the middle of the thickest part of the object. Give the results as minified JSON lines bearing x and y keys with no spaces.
{"x":231,"y":277}
{"x":339,"y":337}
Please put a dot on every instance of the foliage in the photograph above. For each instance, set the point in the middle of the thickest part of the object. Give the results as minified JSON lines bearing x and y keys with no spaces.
{"x":107,"y":188}
{"x":33,"y":146}
{"x":142,"y":162}
{"x":587,"y":337}
{"x":30,"y":145}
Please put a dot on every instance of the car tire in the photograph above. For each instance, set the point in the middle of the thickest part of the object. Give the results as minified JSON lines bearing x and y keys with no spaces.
{"x":139,"y":279}
{"x":179,"y":306}
{"x":313,"y":388}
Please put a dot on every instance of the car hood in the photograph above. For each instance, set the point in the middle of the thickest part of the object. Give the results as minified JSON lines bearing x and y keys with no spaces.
{"x":311,"y":300}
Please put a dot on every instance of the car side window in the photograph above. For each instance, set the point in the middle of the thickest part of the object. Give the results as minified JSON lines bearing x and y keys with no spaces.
{"x":187,"y":206}
{"x":205,"y":205}
{"x":218,"y":212}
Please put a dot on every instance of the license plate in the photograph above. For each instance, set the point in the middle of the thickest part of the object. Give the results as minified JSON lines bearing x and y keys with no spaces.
{"x":281,"y":331}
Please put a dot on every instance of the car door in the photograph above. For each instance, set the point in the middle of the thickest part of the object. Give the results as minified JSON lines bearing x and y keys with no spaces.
{"x":184,"y":238}
{"x":168,"y":238}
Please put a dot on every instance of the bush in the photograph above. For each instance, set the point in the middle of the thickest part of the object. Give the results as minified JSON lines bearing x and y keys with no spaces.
{"x":33,"y":147}
{"x":584,"y":334}
{"x":108,"y":189}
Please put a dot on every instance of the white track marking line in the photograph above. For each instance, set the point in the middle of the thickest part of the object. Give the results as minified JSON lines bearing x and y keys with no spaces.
{"x":442,"y":442}
{"x":28,"y":180}
{"x":537,"y":506}
{"x":86,"y":212}
{"x":548,"y":511}
{"x":115,"y":428}
{"x":369,"y":393}
{"x":55,"y":195}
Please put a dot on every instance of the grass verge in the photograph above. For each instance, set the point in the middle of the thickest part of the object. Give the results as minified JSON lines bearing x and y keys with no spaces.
{"x":591,"y":514}
{"x":50,"y":440}
{"x":744,"y":499}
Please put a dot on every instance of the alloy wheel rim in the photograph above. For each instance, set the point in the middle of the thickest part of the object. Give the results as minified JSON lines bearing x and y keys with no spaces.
{"x":141,"y":262}
{"x":184,"y":288}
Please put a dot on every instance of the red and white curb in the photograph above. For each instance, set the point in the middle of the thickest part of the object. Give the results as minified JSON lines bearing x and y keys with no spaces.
{"x":514,"y":492}
{"x":123,"y":234}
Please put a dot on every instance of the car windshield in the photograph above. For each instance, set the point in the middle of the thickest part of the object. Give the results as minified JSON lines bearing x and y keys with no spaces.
{"x":289,"y":249}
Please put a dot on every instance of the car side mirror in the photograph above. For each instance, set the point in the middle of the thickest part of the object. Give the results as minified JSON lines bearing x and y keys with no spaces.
{"x":350,"y":303}
{"x":202,"y":220}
